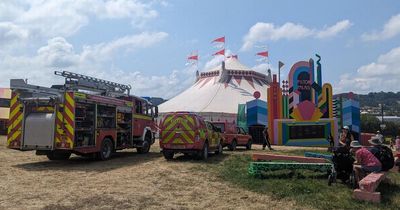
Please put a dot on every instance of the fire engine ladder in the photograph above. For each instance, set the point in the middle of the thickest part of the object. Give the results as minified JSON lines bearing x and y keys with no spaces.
{"x":76,"y":81}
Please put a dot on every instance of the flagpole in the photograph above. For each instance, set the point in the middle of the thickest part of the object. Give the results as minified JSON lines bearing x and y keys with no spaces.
{"x":279,"y":76}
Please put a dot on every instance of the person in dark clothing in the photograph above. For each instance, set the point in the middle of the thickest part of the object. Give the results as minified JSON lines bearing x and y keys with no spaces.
{"x":346,"y":137}
{"x":266,"y":139}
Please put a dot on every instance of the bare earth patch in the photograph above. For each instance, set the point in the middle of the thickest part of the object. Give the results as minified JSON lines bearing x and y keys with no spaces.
{"x":128,"y":181}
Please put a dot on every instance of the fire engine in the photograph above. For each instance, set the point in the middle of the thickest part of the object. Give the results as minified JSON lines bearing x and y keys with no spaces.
{"x":86,"y":116}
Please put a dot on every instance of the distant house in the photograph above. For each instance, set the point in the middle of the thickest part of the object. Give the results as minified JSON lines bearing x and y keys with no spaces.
{"x":5,"y":96}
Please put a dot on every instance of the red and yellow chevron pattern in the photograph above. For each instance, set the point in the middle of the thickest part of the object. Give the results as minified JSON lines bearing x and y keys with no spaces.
{"x":65,"y":123}
{"x":180,"y":129}
{"x":15,"y":122}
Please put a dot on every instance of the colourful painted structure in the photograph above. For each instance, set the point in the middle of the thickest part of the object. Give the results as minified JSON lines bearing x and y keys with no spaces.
{"x":256,"y":112}
{"x":303,"y":115}
{"x":349,"y":113}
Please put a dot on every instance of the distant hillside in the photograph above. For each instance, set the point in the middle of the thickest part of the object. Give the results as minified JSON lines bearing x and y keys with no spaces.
{"x":390,"y":100}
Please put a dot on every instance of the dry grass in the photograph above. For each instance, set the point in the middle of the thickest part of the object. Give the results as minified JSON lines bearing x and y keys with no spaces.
{"x":128,"y":181}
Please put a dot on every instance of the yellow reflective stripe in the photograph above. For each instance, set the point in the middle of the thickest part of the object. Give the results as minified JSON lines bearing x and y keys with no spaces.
{"x":168,"y":137}
{"x":187,"y":138}
{"x":14,"y":100}
{"x":143,"y":117}
{"x":14,"y":136}
{"x":69,"y":99}
{"x":171,"y":125}
{"x":69,"y":128}
{"x":169,"y":118}
{"x":190,"y":119}
{"x":185,"y":125}
{"x":178,"y":141}
{"x":69,"y":113}
{"x":14,"y":111}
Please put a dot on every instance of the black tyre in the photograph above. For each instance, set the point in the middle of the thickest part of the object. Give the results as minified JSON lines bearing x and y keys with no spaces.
{"x":232,"y":147}
{"x":146,"y":145}
{"x":248,"y":145}
{"x":204,"y":151}
{"x":58,"y":155}
{"x":106,"y":150}
{"x":219,"y":149}
{"x":168,"y":155}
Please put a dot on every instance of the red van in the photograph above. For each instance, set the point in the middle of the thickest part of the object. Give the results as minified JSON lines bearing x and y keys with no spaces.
{"x":233,"y":136}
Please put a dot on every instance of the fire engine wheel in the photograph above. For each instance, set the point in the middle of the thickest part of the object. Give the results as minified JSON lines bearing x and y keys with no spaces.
{"x":168,"y":155}
{"x":146,"y":145}
{"x":58,"y":155}
{"x":219,"y":149}
{"x":248,"y":145}
{"x":232,"y":147}
{"x":106,"y":149}
{"x":204,"y":152}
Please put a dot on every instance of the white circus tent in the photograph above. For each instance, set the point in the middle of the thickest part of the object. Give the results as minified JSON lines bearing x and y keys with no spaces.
{"x":217,"y":92}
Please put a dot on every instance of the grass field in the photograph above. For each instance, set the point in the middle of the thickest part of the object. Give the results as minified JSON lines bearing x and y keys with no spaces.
{"x":133,"y":181}
{"x":309,"y":189}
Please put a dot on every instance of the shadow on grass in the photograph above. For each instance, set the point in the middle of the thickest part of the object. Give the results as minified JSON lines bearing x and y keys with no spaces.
{"x":212,"y":158}
{"x":79,"y":163}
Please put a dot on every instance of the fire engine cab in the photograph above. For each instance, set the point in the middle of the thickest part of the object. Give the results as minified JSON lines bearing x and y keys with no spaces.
{"x":85,"y":116}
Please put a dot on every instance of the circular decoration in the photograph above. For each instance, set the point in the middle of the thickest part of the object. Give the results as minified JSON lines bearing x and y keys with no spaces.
{"x":257,"y":94}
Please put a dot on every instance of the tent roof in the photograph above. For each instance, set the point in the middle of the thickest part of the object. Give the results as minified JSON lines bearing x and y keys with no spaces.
{"x":220,"y":90}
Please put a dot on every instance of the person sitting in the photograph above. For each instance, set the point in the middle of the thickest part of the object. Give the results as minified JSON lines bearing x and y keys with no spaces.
{"x":346,"y":137}
{"x":383,"y":153}
{"x":365,"y":162}
{"x":397,"y":147}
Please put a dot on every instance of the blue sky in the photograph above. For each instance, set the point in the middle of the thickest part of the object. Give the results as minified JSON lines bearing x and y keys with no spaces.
{"x":145,"y":43}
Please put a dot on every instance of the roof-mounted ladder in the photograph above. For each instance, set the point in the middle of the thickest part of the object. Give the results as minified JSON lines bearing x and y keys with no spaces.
{"x":82,"y":82}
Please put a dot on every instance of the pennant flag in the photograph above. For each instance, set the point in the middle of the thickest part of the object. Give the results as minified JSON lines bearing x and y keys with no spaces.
{"x":193,"y":57}
{"x":220,"y":39}
{"x":263,"y":54}
{"x":280,"y":64}
{"x":221,"y":52}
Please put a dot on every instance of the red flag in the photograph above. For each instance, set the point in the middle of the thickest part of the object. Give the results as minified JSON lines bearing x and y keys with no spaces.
{"x":220,"y":39}
{"x":193,"y":57}
{"x":221,"y":52}
{"x":263,"y":54}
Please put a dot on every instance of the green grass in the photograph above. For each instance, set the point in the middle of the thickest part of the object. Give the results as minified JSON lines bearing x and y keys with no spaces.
{"x":307,"y":188}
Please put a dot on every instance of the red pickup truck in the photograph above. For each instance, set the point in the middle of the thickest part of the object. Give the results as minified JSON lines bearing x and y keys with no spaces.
{"x":233,"y":136}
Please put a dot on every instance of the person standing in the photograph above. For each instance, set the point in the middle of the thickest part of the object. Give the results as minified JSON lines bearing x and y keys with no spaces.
{"x":397,"y":144}
{"x":266,"y":139}
{"x":380,"y":136}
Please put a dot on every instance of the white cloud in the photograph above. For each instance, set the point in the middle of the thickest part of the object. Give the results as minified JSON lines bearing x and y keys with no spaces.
{"x":46,"y":19}
{"x":381,"y":75}
{"x":10,"y":33}
{"x":390,"y":29}
{"x":334,"y":30}
{"x":94,"y":60}
{"x":261,"y":32}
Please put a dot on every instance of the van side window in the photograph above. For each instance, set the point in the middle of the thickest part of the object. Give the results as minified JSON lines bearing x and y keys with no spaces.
{"x":138,"y":105}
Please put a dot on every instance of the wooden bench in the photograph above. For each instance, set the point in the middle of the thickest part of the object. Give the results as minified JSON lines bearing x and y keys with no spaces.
{"x":367,"y":187}
{"x":318,"y":155}
{"x":300,"y":159}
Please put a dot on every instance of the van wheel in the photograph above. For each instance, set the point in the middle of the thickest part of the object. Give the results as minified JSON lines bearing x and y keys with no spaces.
{"x":248,"y":145}
{"x":168,"y":155}
{"x":204,"y":152}
{"x":58,"y":155}
{"x":219,"y":150}
{"x":146,"y":145}
{"x":106,"y":150}
{"x":232,"y":147}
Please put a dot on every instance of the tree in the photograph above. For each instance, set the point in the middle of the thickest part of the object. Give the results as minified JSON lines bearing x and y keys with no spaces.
{"x":369,"y":123}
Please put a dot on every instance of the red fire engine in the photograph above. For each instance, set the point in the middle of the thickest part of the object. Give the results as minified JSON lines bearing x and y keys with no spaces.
{"x":85,"y":116}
